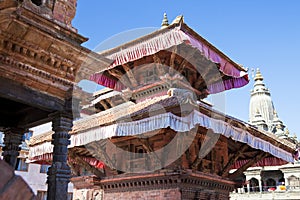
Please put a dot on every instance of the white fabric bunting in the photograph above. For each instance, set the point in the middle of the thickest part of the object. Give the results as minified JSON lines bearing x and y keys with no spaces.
{"x":165,"y":120}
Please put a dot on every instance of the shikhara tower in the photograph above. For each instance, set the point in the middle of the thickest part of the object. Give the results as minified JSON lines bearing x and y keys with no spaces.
{"x":262,"y":113}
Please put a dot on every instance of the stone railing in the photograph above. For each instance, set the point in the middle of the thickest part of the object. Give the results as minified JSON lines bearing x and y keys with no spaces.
{"x":276,"y":195}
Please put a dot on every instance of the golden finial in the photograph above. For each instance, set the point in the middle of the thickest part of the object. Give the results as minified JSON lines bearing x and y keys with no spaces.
{"x":165,"y":21}
{"x":287,"y":132}
{"x":258,"y":75}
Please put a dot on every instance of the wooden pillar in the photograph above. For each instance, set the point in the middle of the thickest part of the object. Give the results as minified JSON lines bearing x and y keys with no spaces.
{"x":59,"y":173}
{"x":12,"y":140}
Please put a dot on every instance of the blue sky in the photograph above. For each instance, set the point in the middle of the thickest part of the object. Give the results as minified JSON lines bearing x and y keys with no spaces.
{"x":255,"y":33}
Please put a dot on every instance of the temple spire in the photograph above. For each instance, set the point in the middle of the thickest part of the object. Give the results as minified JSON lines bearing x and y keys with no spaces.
{"x":261,"y":100}
{"x":278,"y":126}
{"x":165,"y":21}
{"x":258,"y":75}
{"x":262,"y":113}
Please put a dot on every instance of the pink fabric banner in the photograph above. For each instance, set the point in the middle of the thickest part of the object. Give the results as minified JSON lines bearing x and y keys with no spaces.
{"x":47,"y":159}
{"x":271,"y":161}
{"x":164,"y":41}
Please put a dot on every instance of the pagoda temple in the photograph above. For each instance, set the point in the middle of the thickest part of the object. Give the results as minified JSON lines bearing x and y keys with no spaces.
{"x":149,"y":134}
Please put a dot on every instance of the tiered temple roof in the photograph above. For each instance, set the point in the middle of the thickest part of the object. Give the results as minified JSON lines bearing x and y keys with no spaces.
{"x":133,"y":118}
{"x":175,"y":49}
{"x":158,"y":82}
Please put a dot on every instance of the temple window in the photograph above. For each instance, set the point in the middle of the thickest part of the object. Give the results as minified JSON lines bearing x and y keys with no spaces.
{"x":139,"y":152}
{"x":22,"y":165}
{"x":37,"y":2}
{"x":150,"y":75}
{"x":254,"y":185}
{"x":294,"y":182}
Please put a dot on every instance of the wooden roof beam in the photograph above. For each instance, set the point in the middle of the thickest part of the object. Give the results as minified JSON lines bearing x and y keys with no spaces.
{"x":232,"y":160}
{"x":197,"y":161}
{"x":130,"y":75}
{"x":251,"y":162}
{"x":74,"y":169}
{"x":182,"y":65}
{"x":105,"y":106}
{"x":86,"y":165}
{"x":111,"y":103}
{"x":146,"y":145}
{"x":16,"y":92}
{"x":158,"y":65}
{"x":173,"y":57}
{"x":98,"y":150}
{"x":120,"y":76}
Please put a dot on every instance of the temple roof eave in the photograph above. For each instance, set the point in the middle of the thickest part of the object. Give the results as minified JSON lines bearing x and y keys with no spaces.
{"x":182,"y":26}
{"x":233,"y":74}
{"x":241,"y":130}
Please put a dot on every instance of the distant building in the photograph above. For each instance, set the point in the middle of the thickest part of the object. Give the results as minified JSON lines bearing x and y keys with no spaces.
{"x":269,"y":182}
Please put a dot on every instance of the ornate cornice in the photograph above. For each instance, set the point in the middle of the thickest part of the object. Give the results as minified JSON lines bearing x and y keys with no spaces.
{"x":33,"y":71}
{"x":167,"y":180}
{"x":48,"y":61}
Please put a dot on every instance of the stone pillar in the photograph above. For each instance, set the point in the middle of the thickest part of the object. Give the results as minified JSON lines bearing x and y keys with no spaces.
{"x":260,"y":185}
{"x":59,"y":173}
{"x":12,"y":140}
{"x":248,"y":186}
{"x":286,"y":183}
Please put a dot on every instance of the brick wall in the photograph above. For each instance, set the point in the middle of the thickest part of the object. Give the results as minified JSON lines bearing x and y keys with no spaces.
{"x":64,"y":11}
{"x":166,"y":194}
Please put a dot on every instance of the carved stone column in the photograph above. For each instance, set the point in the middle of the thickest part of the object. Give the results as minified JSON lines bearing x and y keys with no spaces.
{"x":12,"y":140}
{"x":59,"y":173}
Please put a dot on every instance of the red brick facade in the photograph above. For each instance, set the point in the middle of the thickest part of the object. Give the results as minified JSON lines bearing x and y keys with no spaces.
{"x":167,"y":194}
{"x":165,"y":184}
